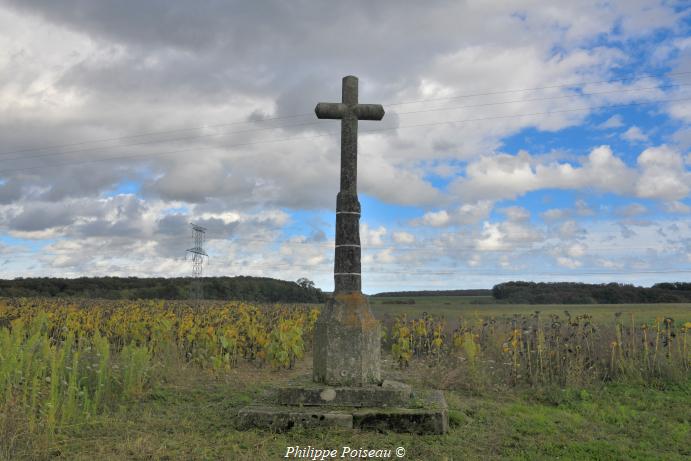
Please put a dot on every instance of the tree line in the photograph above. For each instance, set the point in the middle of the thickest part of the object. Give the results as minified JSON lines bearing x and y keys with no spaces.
{"x":584,"y":293}
{"x":264,"y":289}
{"x":243,"y":288}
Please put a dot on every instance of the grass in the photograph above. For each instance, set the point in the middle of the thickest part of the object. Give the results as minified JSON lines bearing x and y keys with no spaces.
{"x":191,"y":418}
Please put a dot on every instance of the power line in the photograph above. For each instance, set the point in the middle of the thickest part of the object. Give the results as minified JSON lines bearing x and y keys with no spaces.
{"x":565,"y":85}
{"x":243,"y":122}
{"x":377,"y":130}
{"x":312,"y":123}
{"x":156,"y":141}
{"x":549,"y":98}
{"x":154,"y":133}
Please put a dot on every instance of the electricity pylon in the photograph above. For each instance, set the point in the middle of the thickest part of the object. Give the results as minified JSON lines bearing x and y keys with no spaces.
{"x":198,"y":253}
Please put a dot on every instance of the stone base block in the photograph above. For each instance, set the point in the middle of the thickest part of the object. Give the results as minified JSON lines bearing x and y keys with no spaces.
{"x":347,"y":342}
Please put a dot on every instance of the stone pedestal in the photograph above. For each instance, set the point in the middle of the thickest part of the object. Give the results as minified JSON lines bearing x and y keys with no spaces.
{"x":347,"y":345}
{"x":392,"y":406}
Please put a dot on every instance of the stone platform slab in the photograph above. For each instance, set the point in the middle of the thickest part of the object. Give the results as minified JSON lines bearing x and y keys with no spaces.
{"x":420,"y":413}
{"x":282,"y":418}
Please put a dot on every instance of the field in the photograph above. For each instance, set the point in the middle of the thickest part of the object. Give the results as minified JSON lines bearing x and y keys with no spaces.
{"x":153,"y":380}
{"x":454,"y":306}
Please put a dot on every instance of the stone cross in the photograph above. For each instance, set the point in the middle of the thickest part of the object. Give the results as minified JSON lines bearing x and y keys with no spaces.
{"x":347,"y":272}
{"x":347,"y":336}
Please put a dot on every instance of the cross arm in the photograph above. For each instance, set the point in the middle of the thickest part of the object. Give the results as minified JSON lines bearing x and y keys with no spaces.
{"x":330,"y":110}
{"x":369,"y":111}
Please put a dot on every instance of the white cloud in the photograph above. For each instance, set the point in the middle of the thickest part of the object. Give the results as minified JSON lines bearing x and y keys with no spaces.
{"x":582,"y":208}
{"x":634,"y":134}
{"x":660,"y":175}
{"x":372,"y":237}
{"x":571,"y":229}
{"x":385,"y":256}
{"x":226,"y":216}
{"x":570,"y":263}
{"x":503,"y":176}
{"x":568,"y":254}
{"x":677,"y":207}
{"x":403,"y":237}
{"x":516,"y":213}
{"x":506,"y":235}
{"x":394,"y":184}
{"x":491,"y":239}
{"x":615,"y":121}
{"x":468,"y":213}
{"x":576,"y":250}
{"x":680,"y":109}
{"x":436,"y":218}
{"x":663,"y":175}
{"x":471,"y":213}
{"x":554,"y":214}
{"x":474,"y":260}
{"x":632,"y":209}
{"x":609,"y":264}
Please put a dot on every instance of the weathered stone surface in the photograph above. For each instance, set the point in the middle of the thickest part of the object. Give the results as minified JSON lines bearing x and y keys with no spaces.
{"x":347,"y":342}
{"x":429,"y":415}
{"x":415,"y":421}
{"x":396,"y":385}
{"x":424,"y":414}
{"x":349,"y":111}
{"x":370,"y":396}
{"x":285,"y":418}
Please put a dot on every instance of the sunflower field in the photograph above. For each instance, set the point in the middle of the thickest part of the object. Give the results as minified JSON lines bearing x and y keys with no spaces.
{"x":62,"y":362}
{"x":539,"y":350}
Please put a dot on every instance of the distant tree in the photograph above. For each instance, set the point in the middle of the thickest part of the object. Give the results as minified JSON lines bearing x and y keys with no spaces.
{"x":305,"y":283}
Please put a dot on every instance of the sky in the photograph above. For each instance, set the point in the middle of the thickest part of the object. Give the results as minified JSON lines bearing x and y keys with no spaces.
{"x":525,"y":140}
